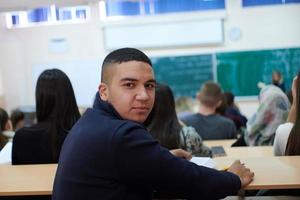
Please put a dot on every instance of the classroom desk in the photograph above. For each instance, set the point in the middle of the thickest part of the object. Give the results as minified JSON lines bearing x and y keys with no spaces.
{"x":26,"y":179}
{"x":224,"y":143}
{"x":270,"y":172}
{"x":256,"y":151}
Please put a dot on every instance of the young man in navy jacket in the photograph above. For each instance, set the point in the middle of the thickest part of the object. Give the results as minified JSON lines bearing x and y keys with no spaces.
{"x":109,"y":154}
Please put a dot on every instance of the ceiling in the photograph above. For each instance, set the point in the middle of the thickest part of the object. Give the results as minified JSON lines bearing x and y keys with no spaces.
{"x":16,"y":5}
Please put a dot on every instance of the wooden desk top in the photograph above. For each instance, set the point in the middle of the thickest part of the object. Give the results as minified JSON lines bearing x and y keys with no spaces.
{"x":27,"y":179}
{"x":270,"y":172}
{"x":241,"y":152}
{"x":224,"y":143}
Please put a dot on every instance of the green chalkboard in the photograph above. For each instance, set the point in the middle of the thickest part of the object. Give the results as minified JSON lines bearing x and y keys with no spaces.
{"x":240,"y":72}
{"x":184,"y":74}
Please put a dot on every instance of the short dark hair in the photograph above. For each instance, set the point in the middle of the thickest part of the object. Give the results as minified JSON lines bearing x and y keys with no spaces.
{"x":55,"y":101}
{"x":120,"y":56}
{"x":229,"y":98}
{"x":210,"y":94}
{"x":3,"y":119}
{"x":15,"y":117}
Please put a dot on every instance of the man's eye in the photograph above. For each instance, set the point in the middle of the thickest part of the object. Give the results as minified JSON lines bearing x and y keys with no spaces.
{"x":150,"y":85}
{"x":129,"y":85}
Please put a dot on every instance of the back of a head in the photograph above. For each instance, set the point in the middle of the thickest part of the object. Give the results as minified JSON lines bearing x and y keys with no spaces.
{"x":221,"y":109}
{"x":119,"y":56}
{"x":210,"y":94}
{"x":56,"y":103}
{"x":229,"y":98}
{"x":55,"y":98}
{"x":270,"y":93}
{"x":15,"y":117}
{"x":3,"y":122}
{"x":164,"y":105}
{"x":164,"y":124}
{"x":184,"y":103}
{"x":3,"y":119}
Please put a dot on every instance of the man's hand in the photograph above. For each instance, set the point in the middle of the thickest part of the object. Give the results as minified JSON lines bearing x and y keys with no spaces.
{"x":181,"y":153}
{"x":246,"y":176}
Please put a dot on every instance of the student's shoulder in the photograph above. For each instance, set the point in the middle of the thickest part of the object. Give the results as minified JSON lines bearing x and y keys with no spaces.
{"x":224,"y":119}
{"x":191,"y":117}
{"x":30,"y":131}
{"x":284,"y":129}
{"x":129,"y":130}
{"x":30,"y":135}
{"x":189,"y":130}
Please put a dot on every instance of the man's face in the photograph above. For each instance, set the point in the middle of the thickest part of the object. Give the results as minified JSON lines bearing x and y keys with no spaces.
{"x":131,"y":90}
{"x":276,"y":77}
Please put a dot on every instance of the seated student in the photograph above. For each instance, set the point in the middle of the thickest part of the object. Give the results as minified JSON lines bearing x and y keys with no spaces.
{"x":5,"y":128}
{"x":287,"y":137}
{"x":109,"y":154}
{"x":233,"y":112}
{"x":223,"y":106}
{"x":277,"y":80}
{"x":207,"y":122}
{"x":56,"y":111}
{"x":17,"y":119}
{"x":184,"y":106}
{"x":272,"y":111}
{"x":165,"y":127}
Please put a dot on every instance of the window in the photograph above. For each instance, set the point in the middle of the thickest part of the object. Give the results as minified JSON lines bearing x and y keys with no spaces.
{"x":247,"y":3}
{"x":47,"y":15}
{"x":39,"y":15}
{"x":71,"y":13}
{"x":114,"y":8}
{"x":15,"y":19}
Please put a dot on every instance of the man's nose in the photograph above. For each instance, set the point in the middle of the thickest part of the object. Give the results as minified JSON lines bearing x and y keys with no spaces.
{"x":142,"y":94}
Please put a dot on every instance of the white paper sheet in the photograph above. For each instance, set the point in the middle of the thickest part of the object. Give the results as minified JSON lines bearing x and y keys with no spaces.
{"x":204,"y":161}
{"x":5,"y":154}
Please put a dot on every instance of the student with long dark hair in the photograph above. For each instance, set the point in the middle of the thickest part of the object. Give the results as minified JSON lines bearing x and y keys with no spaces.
{"x":287,"y":138}
{"x":17,"y":118}
{"x":4,"y":126}
{"x":166,"y":128}
{"x":56,"y":111}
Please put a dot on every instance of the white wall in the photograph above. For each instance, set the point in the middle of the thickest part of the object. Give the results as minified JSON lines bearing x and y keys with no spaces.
{"x":21,"y":49}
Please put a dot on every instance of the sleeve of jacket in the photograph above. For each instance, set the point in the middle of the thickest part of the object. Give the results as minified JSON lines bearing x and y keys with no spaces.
{"x":141,"y":160}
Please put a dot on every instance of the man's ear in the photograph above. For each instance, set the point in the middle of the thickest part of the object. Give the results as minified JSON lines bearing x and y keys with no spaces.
{"x":103,"y":91}
{"x":219,"y":103}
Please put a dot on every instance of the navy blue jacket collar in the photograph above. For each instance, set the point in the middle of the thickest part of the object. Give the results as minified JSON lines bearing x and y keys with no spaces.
{"x":105,"y":106}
